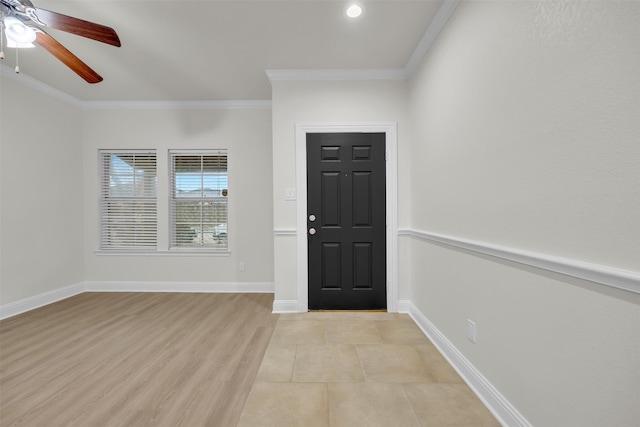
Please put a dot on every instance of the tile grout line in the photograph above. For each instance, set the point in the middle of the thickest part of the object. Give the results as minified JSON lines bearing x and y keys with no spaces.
{"x":293,"y":367}
{"x":404,"y":390}
{"x":364,"y":377}
{"x":326,"y":342}
{"x":328,"y":405}
{"x":326,"y":387}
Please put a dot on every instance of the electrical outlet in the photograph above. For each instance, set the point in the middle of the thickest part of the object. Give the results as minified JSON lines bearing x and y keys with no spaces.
{"x":471,"y":330}
{"x":242,"y":266}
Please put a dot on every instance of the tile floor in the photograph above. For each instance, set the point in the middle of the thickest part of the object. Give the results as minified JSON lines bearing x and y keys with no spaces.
{"x":357,"y":369}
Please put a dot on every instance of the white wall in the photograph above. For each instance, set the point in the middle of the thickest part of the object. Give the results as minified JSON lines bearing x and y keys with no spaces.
{"x":525,"y":123}
{"x":245,"y":133}
{"x":519,"y":129}
{"x":49,"y":218}
{"x":324,"y":102}
{"x":41,"y":205}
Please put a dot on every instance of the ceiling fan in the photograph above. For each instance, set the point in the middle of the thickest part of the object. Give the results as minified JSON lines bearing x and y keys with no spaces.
{"x":23,"y":22}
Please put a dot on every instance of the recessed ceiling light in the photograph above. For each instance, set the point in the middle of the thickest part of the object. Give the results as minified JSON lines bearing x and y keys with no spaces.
{"x":354,"y":11}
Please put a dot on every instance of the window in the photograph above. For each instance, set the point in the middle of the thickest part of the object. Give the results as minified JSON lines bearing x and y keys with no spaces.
{"x":128,"y":201}
{"x":198,"y":199}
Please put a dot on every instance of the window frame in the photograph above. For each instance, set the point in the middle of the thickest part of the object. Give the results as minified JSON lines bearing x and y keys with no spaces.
{"x":172,"y":223}
{"x":104,"y":195}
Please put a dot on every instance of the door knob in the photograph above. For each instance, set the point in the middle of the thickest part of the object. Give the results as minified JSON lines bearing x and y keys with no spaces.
{"x":312,"y":231}
{"x":312,"y":217}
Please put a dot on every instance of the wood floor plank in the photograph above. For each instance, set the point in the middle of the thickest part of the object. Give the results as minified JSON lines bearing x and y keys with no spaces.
{"x":104,"y":359}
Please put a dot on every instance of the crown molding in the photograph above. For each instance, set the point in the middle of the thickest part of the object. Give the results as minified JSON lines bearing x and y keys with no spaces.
{"x":8,"y":72}
{"x":336,"y":75}
{"x":178,"y":105}
{"x":435,"y":27}
{"x":433,"y":30}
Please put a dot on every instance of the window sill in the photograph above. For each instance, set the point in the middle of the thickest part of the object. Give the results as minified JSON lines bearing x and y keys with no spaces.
{"x":179,"y":253}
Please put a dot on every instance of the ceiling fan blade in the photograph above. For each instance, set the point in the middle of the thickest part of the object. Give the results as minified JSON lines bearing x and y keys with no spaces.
{"x":55,"y":48}
{"x":78,"y":26}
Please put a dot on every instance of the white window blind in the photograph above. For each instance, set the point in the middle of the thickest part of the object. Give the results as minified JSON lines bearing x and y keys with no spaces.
{"x":199,"y":185}
{"x":128,"y":200}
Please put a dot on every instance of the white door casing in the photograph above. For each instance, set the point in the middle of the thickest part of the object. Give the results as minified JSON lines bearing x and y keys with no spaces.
{"x":390,"y":130}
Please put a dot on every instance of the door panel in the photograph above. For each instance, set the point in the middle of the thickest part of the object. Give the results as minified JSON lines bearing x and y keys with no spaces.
{"x":346,"y":187}
{"x":362,"y":265}
{"x":331,"y":266}
{"x":362,"y":199}
{"x":331,"y":194}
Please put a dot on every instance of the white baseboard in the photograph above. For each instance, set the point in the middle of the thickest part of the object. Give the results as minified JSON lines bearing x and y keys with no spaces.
{"x":190,"y":287}
{"x":31,"y":303}
{"x":36,"y":301}
{"x":499,"y":406}
{"x":285,"y":306}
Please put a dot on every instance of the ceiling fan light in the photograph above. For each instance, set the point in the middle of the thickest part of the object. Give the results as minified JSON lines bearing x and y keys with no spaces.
{"x":17,"y":31}
{"x":11,"y":43}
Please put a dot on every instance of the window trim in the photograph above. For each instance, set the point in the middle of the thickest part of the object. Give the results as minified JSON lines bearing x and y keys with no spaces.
{"x":193,"y":250}
{"x":102,"y":153}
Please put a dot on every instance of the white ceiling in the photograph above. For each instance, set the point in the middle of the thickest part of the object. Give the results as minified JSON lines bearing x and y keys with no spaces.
{"x":207,"y":50}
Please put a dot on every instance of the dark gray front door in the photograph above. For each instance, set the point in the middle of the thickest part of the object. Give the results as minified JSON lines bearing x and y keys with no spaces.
{"x":346,"y":221}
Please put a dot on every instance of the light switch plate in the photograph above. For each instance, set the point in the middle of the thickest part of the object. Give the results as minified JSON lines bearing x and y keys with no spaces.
{"x":290,"y":194}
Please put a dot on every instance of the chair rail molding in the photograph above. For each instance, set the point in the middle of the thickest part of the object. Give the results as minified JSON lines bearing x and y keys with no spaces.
{"x":608,"y":276}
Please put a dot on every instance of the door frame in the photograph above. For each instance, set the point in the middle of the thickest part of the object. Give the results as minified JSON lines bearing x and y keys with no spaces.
{"x":391,"y":166}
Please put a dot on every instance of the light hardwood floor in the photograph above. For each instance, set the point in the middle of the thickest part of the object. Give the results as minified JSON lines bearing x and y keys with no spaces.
{"x":136,"y":359}
{"x":133,"y":359}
